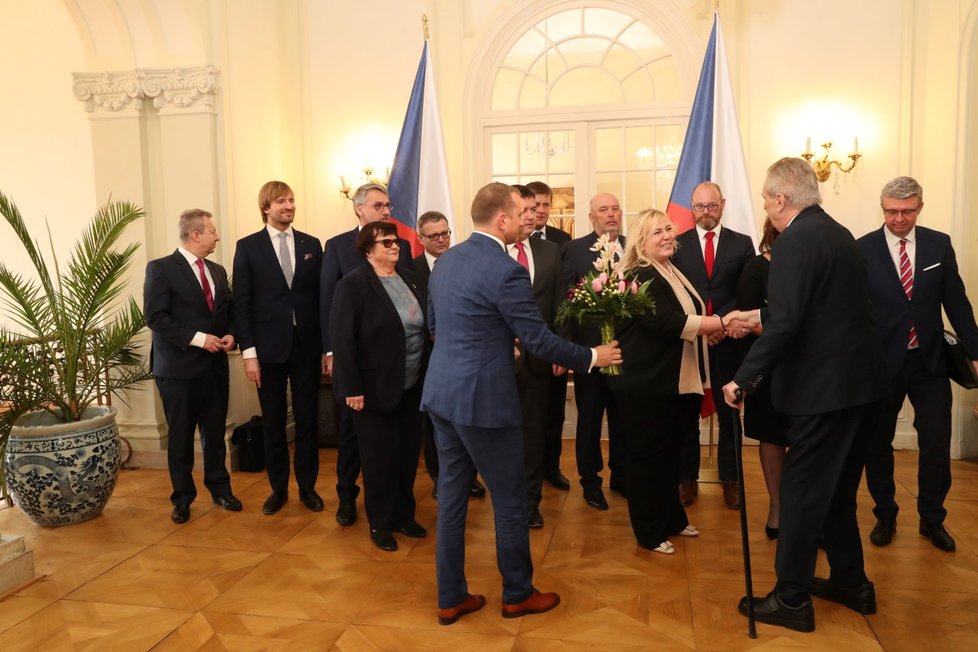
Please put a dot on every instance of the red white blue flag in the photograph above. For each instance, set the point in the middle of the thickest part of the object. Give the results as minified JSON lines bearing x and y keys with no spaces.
{"x":419,"y":176}
{"x":712,"y":150}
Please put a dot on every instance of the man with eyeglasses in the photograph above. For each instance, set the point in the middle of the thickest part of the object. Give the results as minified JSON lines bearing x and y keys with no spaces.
{"x":435,"y":237}
{"x":371,"y":203}
{"x":712,"y":258}
{"x":912,"y":274}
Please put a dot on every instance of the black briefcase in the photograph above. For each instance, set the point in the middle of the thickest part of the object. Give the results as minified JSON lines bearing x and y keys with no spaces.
{"x":960,"y":368}
{"x":250,"y":441}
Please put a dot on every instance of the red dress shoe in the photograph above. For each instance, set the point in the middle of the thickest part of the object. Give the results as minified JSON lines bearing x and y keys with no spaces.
{"x":537,"y":603}
{"x":470,"y":604}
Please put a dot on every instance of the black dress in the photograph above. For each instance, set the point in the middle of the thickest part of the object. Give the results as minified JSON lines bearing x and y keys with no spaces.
{"x":761,"y":420}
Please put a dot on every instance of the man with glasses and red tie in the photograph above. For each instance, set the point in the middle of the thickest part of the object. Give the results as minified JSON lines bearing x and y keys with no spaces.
{"x":435,"y":237}
{"x":187,"y":305}
{"x":913,"y":272}
{"x":712,"y":258}
{"x":371,"y":203}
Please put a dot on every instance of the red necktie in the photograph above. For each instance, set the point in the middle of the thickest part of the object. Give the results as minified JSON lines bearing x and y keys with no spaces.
{"x":906,"y":279}
{"x":521,"y":256}
{"x":208,"y":297}
{"x":709,"y":255}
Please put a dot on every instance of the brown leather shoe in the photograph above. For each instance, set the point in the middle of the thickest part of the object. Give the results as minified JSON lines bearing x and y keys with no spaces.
{"x":688,"y":490}
{"x":537,"y":603}
{"x":731,"y":494}
{"x":470,"y":604}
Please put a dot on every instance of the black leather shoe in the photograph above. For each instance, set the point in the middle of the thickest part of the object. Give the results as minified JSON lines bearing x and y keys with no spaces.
{"x":477,"y":490}
{"x":274,"y":502}
{"x":384,"y":540}
{"x":413,"y":530}
{"x":346,"y":513}
{"x":938,"y":536}
{"x":228,"y":502}
{"x":883,"y":531}
{"x":558,"y":480}
{"x":536,"y":518}
{"x":181,"y":514}
{"x":312,"y":501}
{"x":861,"y":599}
{"x":771,"y":532}
{"x":772,"y":611}
{"x":595,"y":498}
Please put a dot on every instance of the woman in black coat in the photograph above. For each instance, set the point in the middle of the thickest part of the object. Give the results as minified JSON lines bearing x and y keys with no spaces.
{"x":662,"y":383}
{"x":380,"y":347}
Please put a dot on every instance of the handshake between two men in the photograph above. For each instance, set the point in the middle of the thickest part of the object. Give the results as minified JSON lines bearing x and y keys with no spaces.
{"x":737,"y":324}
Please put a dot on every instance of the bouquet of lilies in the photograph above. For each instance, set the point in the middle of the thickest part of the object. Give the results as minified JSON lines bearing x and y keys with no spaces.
{"x":605,"y":296}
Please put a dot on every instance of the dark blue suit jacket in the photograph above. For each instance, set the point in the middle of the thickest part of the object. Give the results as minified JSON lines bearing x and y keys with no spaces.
{"x":340,"y":257}
{"x":264,"y":304}
{"x":732,"y":253}
{"x":176,"y":310}
{"x":480,"y":300}
{"x":936,"y":283}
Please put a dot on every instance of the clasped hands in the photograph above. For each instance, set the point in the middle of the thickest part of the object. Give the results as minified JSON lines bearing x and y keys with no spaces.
{"x":737,"y":324}
{"x":213,"y":343}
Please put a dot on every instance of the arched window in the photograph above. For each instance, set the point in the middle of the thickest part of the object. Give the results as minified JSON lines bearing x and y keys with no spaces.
{"x":588,"y":99}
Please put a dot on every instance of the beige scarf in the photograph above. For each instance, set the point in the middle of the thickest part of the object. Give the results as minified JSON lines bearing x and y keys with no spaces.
{"x":694,"y":346}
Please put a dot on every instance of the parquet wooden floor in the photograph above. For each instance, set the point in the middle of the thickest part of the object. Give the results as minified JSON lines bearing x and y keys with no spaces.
{"x":132,"y":580}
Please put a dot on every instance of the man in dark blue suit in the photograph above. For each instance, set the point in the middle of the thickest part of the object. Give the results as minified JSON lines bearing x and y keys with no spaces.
{"x":371,"y":203}
{"x":912,"y":274}
{"x":187,"y":305}
{"x":276,"y":314}
{"x":480,"y":301}
{"x":712,"y":257}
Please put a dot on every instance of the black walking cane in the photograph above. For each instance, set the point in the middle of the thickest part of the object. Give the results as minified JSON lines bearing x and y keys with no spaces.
{"x":738,"y":433}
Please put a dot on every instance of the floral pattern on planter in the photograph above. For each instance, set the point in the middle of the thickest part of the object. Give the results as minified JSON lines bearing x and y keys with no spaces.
{"x":65,"y":478}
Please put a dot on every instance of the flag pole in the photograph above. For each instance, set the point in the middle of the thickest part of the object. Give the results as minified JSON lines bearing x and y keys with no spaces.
{"x":424,"y":26}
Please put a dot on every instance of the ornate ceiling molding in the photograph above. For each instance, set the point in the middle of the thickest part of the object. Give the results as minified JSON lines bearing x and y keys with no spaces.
{"x":165,"y":89}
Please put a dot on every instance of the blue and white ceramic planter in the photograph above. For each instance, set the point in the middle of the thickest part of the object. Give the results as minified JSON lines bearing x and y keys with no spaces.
{"x":63,"y":473}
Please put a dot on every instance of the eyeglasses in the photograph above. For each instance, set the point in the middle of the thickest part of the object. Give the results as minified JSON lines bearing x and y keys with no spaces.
{"x":388,"y":242}
{"x":379,"y":206}
{"x":444,"y":235}
{"x":702,"y":208}
{"x":906,"y":212}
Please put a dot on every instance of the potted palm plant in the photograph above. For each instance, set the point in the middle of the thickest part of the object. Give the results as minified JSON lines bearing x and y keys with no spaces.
{"x":70,"y":346}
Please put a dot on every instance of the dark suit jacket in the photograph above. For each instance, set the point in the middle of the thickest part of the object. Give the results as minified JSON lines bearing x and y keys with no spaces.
{"x":479,"y":301}
{"x":650,"y":344}
{"x":175,"y":310}
{"x":367,"y":332}
{"x":936,"y":283}
{"x":555,"y":235}
{"x":548,"y":291}
{"x":340,"y":257}
{"x":819,"y":342}
{"x":732,"y":253}
{"x":576,"y":262}
{"x":264,"y":304}
{"x":419,"y":265}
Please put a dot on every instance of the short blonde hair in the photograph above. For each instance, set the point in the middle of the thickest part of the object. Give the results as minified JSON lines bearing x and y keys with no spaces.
{"x":645,"y":222}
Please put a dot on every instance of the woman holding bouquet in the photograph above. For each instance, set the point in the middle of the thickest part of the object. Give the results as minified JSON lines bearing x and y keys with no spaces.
{"x":662,"y":383}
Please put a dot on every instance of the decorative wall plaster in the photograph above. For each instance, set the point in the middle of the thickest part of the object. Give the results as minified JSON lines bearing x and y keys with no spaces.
{"x":174,"y":88}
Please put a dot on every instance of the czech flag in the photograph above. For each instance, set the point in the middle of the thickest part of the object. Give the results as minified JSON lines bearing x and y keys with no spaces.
{"x":712,"y":150}
{"x":419,"y":176}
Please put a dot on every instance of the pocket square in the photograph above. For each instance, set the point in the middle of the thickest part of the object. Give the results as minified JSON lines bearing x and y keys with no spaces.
{"x":307,"y":256}
{"x":931,"y":267}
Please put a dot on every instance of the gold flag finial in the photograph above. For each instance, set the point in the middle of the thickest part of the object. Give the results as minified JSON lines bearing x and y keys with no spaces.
{"x":424,"y":25}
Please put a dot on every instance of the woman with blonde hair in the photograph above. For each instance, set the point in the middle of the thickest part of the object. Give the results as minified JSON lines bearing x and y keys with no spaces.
{"x":665,"y":373}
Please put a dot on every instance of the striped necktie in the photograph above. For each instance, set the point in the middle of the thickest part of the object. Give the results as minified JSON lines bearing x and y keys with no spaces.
{"x":906,"y":279}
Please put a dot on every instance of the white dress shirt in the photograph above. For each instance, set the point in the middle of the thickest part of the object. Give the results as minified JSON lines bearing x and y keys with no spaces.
{"x":513,"y":252}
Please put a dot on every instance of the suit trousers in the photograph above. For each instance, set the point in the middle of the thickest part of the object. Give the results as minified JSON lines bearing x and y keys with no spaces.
{"x":497,"y":454}
{"x":189,"y":404}
{"x":389,"y":446}
{"x":931,"y":398}
{"x":428,"y":448}
{"x":347,"y":457}
{"x":655,"y":426}
{"x":821,"y":475}
{"x":593,"y":399}
{"x":554,"y":429}
{"x":534,"y":390}
{"x":302,"y":376}
{"x":725,"y":357}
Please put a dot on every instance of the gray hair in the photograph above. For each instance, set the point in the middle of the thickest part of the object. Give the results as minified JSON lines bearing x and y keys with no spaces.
{"x":429,"y":217}
{"x":902,"y":188}
{"x":795,"y":179}
{"x":360,"y":196}
{"x":192,"y":220}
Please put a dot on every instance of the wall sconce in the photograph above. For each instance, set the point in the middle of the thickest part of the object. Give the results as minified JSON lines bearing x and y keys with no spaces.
{"x":823,"y":166}
{"x":368,"y":177}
